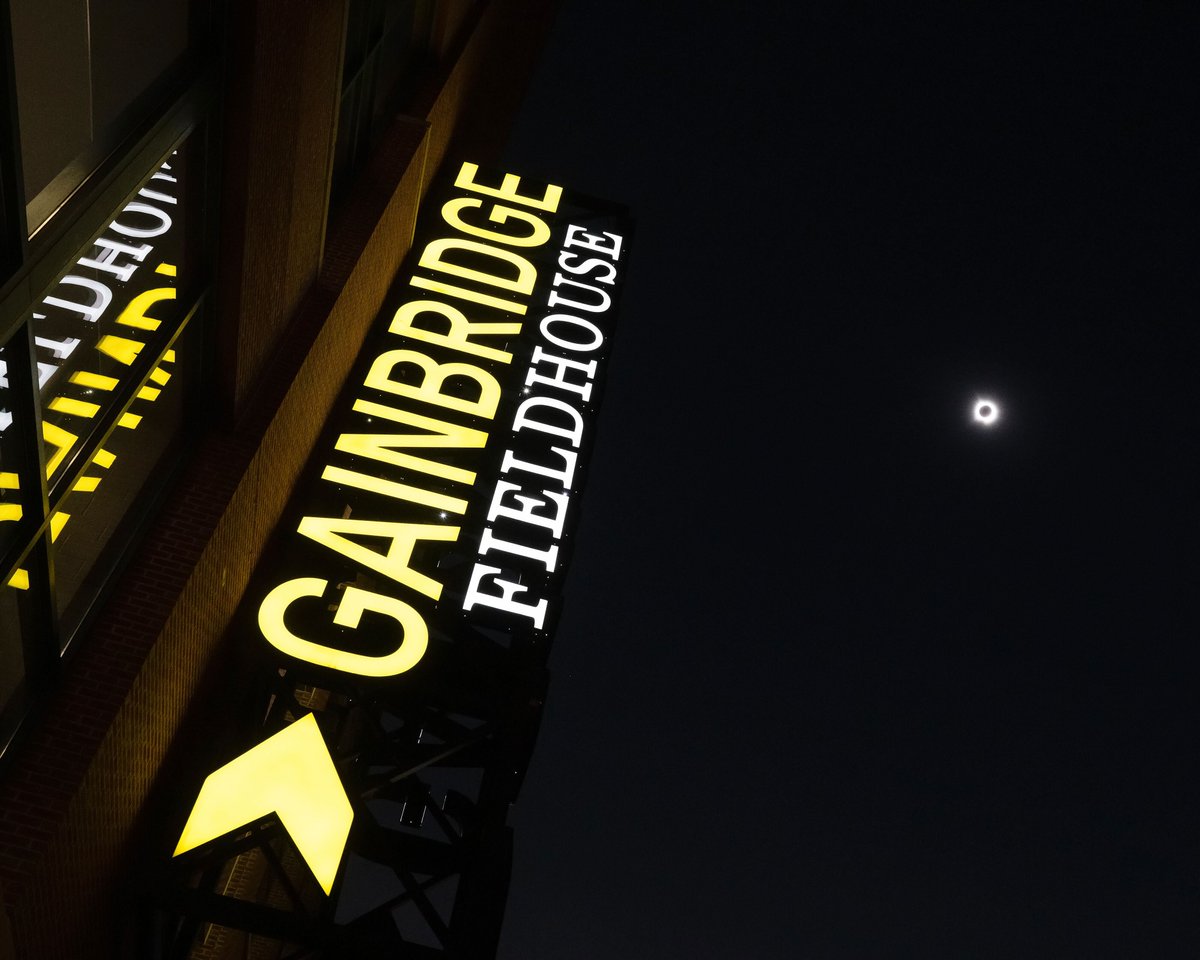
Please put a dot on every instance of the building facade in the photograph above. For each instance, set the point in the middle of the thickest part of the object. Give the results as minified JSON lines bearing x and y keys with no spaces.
{"x":204,"y":206}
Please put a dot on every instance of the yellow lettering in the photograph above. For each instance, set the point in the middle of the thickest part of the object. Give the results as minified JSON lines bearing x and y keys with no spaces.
{"x":457,"y":337}
{"x":379,"y":446}
{"x":462,"y":293}
{"x":508,"y":189}
{"x":397,"y":491}
{"x":435,"y":376}
{"x":134,"y":315}
{"x":433,"y":257}
{"x":328,"y":531}
{"x":355,"y":602}
{"x":442,"y":432}
{"x":538,"y":234}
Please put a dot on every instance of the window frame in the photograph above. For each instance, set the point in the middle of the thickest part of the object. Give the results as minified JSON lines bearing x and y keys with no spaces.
{"x":184,"y":104}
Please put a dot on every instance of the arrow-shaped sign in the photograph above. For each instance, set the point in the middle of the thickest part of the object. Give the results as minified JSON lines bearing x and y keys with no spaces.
{"x":291,"y":775}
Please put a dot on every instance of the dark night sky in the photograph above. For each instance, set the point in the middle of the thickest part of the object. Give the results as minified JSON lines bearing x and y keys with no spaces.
{"x":839,"y":675}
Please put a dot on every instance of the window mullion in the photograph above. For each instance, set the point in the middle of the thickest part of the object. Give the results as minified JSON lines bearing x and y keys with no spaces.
{"x":14,"y":236}
{"x":42,"y":642}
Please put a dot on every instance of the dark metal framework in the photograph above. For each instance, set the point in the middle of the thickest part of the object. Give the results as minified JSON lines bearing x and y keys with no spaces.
{"x":431,"y":782}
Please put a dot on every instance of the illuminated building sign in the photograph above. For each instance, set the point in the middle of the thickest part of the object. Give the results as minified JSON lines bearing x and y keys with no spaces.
{"x":427,"y":545}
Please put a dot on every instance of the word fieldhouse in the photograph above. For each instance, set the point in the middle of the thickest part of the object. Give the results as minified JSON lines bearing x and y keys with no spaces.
{"x":531,"y":499}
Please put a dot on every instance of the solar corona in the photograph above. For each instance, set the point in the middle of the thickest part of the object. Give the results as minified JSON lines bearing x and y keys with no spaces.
{"x":985,"y":412}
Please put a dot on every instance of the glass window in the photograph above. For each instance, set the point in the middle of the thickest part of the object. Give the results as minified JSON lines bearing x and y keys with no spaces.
{"x":12,"y":659}
{"x":116,"y":348}
{"x":10,"y":493}
{"x":109,"y":318}
{"x":99,"y":370}
{"x":387,"y":42}
{"x":16,"y":478}
{"x":84,"y":71}
{"x":90,"y":527}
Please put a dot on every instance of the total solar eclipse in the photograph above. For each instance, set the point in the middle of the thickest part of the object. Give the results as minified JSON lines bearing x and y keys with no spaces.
{"x":986,"y":412}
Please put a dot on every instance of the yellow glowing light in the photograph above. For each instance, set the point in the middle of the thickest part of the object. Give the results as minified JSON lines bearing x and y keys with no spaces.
{"x":86,"y":484}
{"x":9,"y":481}
{"x":56,"y":436}
{"x":441,"y":432}
{"x":57,"y":521}
{"x":19,"y":580}
{"x":290,"y":775}
{"x":103,"y":458}
{"x":539,"y":230}
{"x":397,"y":491}
{"x":508,"y":189}
{"x":458,"y":337}
{"x":484,"y":299}
{"x":335,"y":533}
{"x":122,"y":350}
{"x":134,"y":315}
{"x":166,"y":269}
{"x":377,"y":446}
{"x":85,"y":378}
{"x":73,"y":407}
{"x":433,"y":379}
{"x":160,"y":376}
{"x":10,"y":512}
{"x":129,"y":421}
{"x":433,"y":258}
{"x":148,"y":393}
{"x":355,"y":602}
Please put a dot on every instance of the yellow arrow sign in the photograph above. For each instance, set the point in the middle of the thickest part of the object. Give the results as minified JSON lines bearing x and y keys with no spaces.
{"x":290,"y":774}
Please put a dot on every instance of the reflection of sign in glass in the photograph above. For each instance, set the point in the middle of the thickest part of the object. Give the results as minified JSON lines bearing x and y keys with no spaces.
{"x":10,"y":507}
{"x":100,"y":331}
{"x":101,"y":325}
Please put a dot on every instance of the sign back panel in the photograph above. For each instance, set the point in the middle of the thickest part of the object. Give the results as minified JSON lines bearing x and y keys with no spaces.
{"x":404,"y":611}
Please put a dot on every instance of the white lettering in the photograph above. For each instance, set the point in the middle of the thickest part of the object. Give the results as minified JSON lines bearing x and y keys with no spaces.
{"x":524,"y":419}
{"x":525,"y":512}
{"x":559,"y":379}
{"x":164,"y":221}
{"x":547,"y":322}
{"x":597,"y":306}
{"x":504,"y":600}
{"x":111,"y":249}
{"x":92,"y":312}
